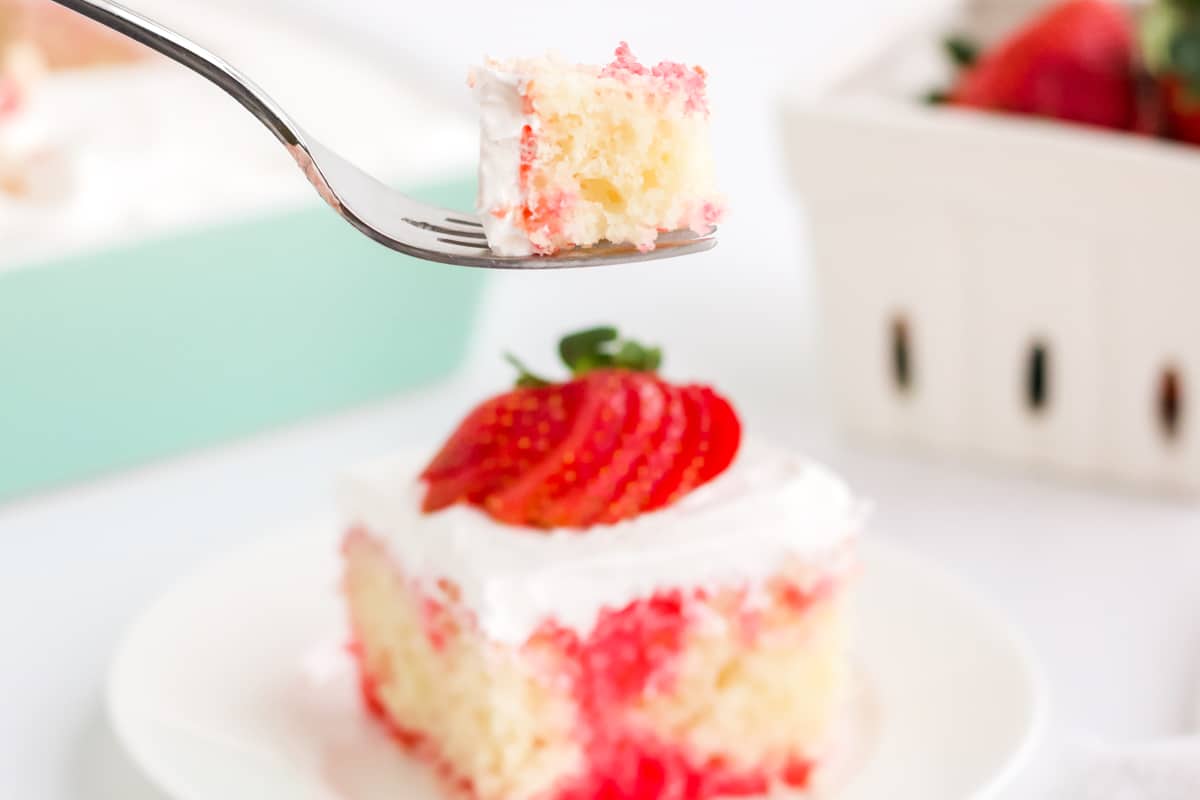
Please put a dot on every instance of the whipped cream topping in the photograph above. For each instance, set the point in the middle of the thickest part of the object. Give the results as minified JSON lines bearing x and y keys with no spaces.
{"x":501,"y":121}
{"x":770,"y":506}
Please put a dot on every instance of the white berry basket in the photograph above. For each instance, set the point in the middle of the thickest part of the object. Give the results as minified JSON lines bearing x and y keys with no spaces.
{"x":1019,"y":290}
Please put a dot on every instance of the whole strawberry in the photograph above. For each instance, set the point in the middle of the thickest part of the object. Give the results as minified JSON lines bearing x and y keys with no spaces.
{"x":614,"y":441}
{"x":1073,"y":62}
{"x":1170,"y":38}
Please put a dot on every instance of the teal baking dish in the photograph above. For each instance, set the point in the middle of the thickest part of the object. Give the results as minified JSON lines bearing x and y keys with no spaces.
{"x":140,"y":351}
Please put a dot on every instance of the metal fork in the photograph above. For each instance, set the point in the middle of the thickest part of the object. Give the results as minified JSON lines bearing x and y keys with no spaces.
{"x":375,"y":209}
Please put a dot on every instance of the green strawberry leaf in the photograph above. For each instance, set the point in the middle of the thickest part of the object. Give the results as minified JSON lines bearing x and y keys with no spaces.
{"x":591,"y":349}
{"x":583,"y":350}
{"x":526,"y":379}
{"x":937,"y":97}
{"x":962,"y":50}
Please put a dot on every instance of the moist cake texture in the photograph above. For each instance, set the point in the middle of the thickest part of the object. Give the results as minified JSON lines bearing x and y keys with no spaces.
{"x":573,"y":154}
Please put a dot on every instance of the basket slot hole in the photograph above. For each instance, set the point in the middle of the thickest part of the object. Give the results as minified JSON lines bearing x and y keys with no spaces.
{"x":1170,"y":403}
{"x":1038,"y":377}
{"x":901,"y":353}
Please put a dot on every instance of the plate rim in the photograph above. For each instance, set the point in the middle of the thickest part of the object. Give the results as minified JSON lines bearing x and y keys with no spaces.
{"x":874,"y":547}
{"x":1025,"y":656}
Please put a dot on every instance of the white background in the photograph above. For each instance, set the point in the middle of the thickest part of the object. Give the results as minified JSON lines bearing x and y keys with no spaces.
{"x":1106,"y":586}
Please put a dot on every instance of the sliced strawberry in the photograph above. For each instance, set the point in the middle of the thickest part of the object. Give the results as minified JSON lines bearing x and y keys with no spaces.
{"x":501,"y":440}
{"x":589,"y":501}
{"x":599,"y":418}
{"x":724,"y":439}
{"x":693,"y":463}
{"x":712,"y":441}
{"x":554,"y":503}
{"x":631,"y":495}
{"x":605,"y":446}
{"x":667,"y":485}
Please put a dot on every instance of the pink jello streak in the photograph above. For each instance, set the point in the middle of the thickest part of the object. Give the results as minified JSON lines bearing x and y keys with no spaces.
{"x":542,"y":216}
{"x":629,"y":650}
{"x":10,"y":97}
{"x":673,"y":77}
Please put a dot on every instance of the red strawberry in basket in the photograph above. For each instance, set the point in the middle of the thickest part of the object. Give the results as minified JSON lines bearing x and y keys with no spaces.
{"x":1181,"y":110}
{"x":614,"y":441}
{"x":1170,"y":39}
{"x":1073,"y":62}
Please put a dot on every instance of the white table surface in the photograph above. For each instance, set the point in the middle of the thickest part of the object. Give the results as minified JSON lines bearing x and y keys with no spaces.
{"x":1106,"y":586}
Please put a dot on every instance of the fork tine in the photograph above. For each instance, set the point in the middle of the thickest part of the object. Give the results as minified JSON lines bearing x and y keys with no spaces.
{"x":476,"y":244}
{"x":476,"y":254}
{"x":458,"y":221}
{"x":429,"y":226}
{"x":682,"y":240}
{"x":683,"y":235}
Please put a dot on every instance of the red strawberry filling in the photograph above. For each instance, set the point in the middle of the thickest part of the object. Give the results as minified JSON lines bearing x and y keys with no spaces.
{"x":671,"y":77}
{"x":10,"y":96}
{"x":630,"y":650}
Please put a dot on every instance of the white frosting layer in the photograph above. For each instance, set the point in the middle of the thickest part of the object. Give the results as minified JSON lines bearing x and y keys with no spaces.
{"x":769,"y":506}
{"x":501,"y":120}
{"x":32,"y":160}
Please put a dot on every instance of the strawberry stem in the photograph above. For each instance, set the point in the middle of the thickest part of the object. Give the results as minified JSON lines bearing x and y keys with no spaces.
{"x":584,"y":350}
{"x":596,"y":348}
{"x":591,"y":349}
{"x":963,"y":51}
{"x":526,"y":378}
{"x":638,"y":357}
{"x":937,"y":97}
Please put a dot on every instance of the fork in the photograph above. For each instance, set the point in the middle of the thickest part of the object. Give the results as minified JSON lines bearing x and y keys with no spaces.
{"x":388,"y":216}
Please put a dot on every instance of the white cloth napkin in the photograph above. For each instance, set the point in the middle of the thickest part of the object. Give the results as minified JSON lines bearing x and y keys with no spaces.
{"x":1074,"y":766}
{"x":1161,"y":770}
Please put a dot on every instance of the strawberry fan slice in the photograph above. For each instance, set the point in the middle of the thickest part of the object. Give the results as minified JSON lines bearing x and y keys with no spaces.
{"x":613,"y":442}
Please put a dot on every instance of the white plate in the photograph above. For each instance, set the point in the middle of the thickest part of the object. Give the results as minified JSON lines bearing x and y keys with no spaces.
{"x":236,"y":684}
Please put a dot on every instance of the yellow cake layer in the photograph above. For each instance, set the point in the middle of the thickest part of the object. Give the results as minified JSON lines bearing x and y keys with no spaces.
{"x":484,"y":710}
{"x":572,"y":154}
{"x":621,"y":164}
{"x":759,"y":689}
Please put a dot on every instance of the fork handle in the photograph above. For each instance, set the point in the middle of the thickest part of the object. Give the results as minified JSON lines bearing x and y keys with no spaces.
{"x":194,"y":57}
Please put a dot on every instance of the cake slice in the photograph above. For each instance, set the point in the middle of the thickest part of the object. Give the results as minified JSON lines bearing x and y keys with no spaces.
{"x":32,"y":168}
{"x":38,"y":37}
{"x":592,"y":593}
{"x":64,"y":38}
{"x":571,"y":154}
